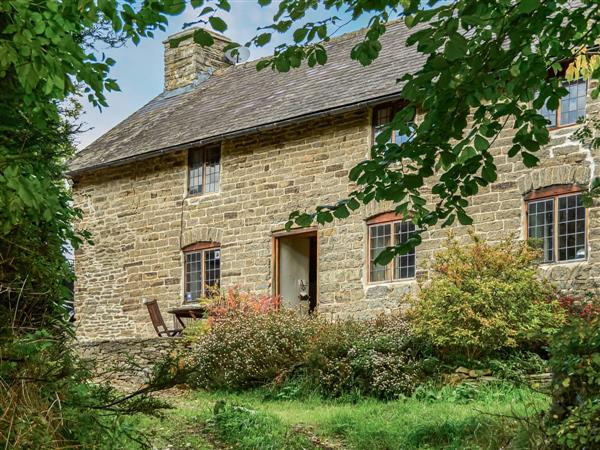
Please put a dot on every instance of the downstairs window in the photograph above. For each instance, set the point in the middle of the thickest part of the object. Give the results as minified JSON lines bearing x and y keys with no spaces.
{"x":387,"y":230}
{"x":556,"y":221}
{"x":202,"y":270}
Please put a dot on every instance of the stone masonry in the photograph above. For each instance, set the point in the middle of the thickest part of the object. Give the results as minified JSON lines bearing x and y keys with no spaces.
{"x":188,"y":63}
{"x":141,"y":217}
{"x":127,"y":362}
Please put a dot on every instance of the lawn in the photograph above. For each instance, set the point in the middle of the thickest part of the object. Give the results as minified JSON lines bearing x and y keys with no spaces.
{"x":448,"y":418}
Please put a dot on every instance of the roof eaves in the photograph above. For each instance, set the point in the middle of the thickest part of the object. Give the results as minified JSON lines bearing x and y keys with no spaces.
{"x":239,"y":133}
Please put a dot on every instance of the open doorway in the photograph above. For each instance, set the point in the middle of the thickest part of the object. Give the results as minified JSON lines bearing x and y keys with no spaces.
{"x":295,"y":264}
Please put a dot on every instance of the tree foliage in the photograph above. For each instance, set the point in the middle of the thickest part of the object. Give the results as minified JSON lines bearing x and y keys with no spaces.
{"x":47,"y":55}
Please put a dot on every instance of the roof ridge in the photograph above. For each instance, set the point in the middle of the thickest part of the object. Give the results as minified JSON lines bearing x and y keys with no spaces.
{"x":332,"y":41}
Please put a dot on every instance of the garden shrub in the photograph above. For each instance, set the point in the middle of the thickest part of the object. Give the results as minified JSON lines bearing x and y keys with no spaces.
{"x":484,"y":299}
{"x":378,"y":358}
{"x":585,"y":306}
{"x":248,"y":342}
{"x":574,"y":417}
{"x":249,"y":349}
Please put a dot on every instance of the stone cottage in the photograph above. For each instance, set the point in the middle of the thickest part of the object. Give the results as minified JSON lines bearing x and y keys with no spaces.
{"x":193,"y":190}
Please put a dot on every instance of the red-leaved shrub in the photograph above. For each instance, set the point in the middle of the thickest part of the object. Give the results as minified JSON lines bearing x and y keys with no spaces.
{"x":584,"y":307}
{"x":233,"y":301}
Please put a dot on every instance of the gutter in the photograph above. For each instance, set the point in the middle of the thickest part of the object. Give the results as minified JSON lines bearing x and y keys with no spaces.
{"x":239,"y":133}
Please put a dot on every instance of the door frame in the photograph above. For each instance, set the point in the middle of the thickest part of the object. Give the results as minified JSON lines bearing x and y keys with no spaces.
{"x":276,"y":244}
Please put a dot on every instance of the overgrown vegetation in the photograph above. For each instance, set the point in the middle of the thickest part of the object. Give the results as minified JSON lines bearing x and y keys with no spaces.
{"x":47,"y":399}
{"x":486,"y":417}
{"x":484,"y":300}
{"x":250,"y":342}
{"x":499,"y":72}
{"x":484,"y":306}
{"x":574,"y":417}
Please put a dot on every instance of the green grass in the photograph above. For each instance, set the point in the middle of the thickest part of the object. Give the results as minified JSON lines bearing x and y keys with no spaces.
{"x":447,"y":418}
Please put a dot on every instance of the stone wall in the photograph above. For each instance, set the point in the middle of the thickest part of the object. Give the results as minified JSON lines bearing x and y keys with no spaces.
{"x":126,"y":361}
{"x":141,"y":218}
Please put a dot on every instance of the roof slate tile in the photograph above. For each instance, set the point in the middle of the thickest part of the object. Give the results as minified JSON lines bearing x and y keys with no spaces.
{"x":238,"y":99}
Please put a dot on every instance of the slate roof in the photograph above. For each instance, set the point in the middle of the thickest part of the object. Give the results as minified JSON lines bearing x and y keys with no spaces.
{"x":239,"y":99}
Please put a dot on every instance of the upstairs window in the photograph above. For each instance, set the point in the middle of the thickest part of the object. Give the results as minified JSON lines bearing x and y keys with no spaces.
{"x":202,"y":270}
{"x":204,"y":170}
{"x":387,"y":230}
{"x":556,"y":221}
{"x":382,"y":117}
{"x":571,"y":107}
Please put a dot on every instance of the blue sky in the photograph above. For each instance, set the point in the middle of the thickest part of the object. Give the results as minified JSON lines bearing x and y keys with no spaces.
{"x":139,"y":69}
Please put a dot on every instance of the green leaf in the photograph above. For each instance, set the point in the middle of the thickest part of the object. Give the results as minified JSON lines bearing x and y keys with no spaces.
{"x":321,"y":56}
{"x":527,"y":6}
{"x":203,"y":38}
{"x":514,"y":150}
{"x":384,"y":258}
{"x":300,"y":34}
{"x":489,"y":173}
{"x":456,"y":47}
{"x":341,"y":212}
{"x":463,"y":218}
{"x":384,"y":136}
{"x":353,"y":204}
{"x":466,"y":154}
{"x":481,"y":143}
{"x":173,"y":7}
{"x":413,"y":181}
{"x":263,"y":39}
{"x":218,"y":24}
{"x":224,"y":5}
{"x":449,"y":221}
{"x":282,"y":64}
{"x":304,"y":220}
{"x":324,"y":217}
{"x":529,"y":159}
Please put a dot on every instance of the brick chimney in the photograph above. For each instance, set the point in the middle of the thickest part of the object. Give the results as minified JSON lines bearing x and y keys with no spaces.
{"x":189,"y":63}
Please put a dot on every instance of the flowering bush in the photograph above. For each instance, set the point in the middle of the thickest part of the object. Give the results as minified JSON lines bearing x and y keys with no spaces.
{"x":249,"y":348}
{"x":220,"y":304}
{"x":380,"y":358}
{"x":249,"y":341}
{"x":484,"y":299}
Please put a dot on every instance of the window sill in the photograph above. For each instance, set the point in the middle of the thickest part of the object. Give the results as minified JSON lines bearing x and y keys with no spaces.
{"x":197,"y":198}
{"x":572,"y":262}
{"x":391,"y":283}
{"x":563,"y":127}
